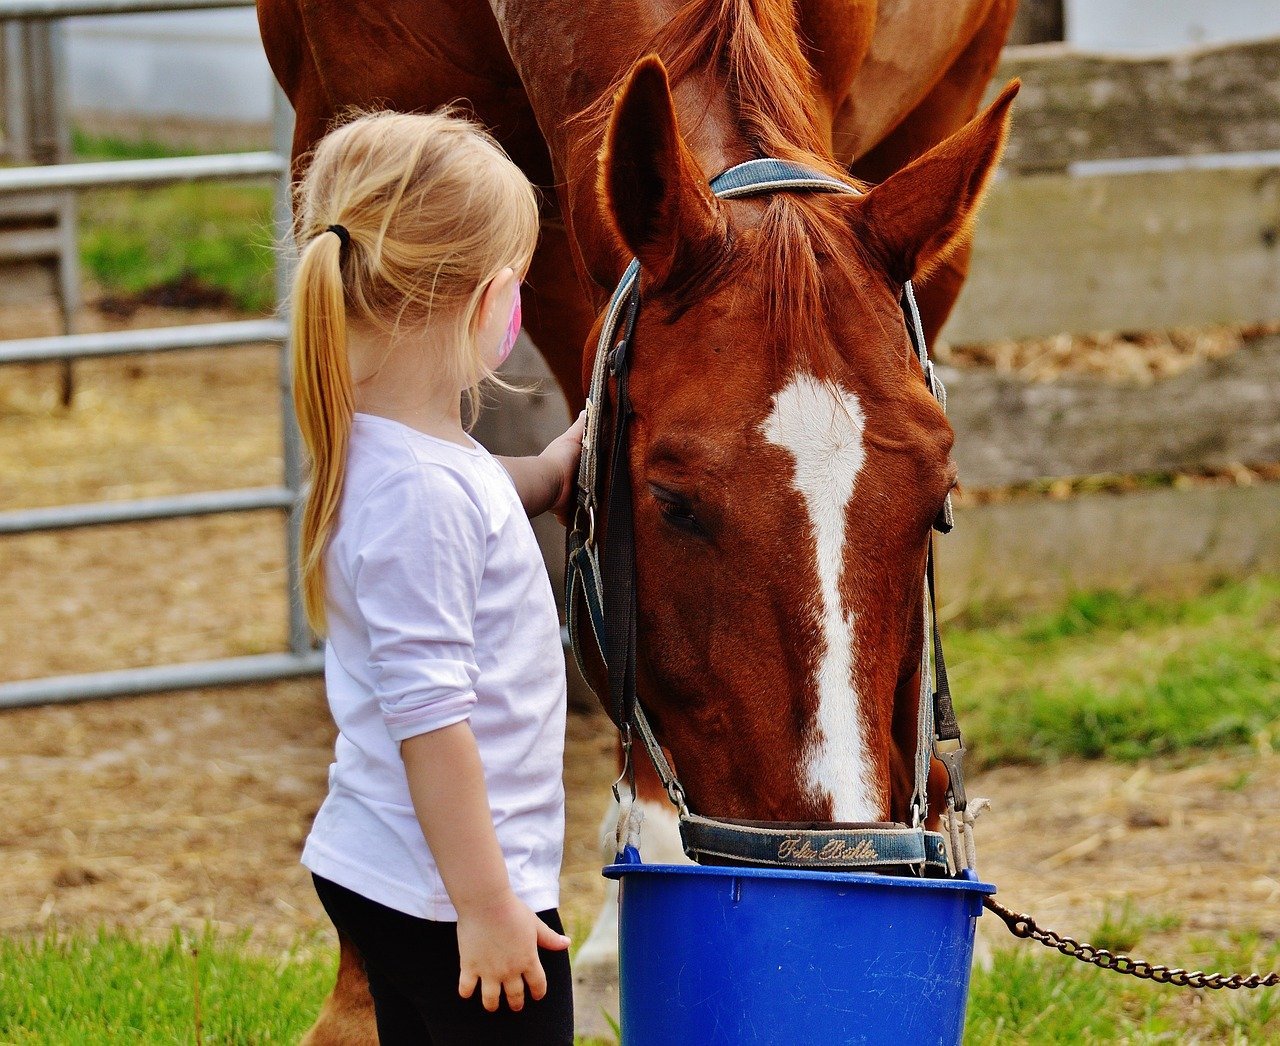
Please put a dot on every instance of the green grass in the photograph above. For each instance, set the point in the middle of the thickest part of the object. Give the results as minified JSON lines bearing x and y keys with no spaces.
{"x":1030,"y":995}
{"x":1109,"y":676}
{"x":133,"y":240}
{"x":111,"y":989}
{"x":78,"y":990}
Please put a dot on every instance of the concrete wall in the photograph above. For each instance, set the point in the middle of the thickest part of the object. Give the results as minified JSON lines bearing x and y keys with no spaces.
{"x":203,"y":65}
{"x":210,"y":64}
{"x":1163,"y":25}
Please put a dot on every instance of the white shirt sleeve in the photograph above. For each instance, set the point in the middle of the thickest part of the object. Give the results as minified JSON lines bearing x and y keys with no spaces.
{"x":420,"y":557}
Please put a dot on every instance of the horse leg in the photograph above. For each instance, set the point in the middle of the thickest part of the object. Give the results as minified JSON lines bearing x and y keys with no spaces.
{"x":595,"y":967}
{"x":951,"y":104}
{"x":346,"y":1019}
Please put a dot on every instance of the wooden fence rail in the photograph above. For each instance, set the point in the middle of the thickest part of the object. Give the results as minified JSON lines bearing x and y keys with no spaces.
{"x":1164,"y":209}
{"x":1076,"y":106}
{"x":1220,"y":413}
{"x":1081,"y":253}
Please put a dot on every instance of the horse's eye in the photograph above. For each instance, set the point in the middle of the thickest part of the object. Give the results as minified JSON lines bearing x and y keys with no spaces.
{"x":676,"y":510}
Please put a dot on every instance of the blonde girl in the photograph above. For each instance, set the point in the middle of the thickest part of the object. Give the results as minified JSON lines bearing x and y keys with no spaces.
{"x":437,"y":850}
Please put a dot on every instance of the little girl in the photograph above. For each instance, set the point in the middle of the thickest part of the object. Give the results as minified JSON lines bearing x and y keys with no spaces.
{"x":437,"y":851}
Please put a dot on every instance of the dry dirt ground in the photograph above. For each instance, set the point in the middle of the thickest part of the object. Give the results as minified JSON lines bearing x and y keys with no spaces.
{"x":188,"y":808}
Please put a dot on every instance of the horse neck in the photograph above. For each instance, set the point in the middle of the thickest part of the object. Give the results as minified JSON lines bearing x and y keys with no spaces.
{"x":594,"y":43}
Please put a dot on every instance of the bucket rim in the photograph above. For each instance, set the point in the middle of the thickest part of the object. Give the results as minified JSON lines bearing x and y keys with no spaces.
{"x":620,"y":870}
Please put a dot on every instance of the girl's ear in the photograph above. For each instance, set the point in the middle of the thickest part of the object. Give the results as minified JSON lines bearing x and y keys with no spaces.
{"x":495,"y":302}
{"x":917,"y":216}
{"x":494,"y":313}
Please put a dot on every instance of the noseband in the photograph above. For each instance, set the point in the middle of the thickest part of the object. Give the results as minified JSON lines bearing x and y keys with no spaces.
{"x":604,"y":579}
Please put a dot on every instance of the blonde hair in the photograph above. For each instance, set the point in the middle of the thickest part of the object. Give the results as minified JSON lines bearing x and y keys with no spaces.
{"x":434,"y":210}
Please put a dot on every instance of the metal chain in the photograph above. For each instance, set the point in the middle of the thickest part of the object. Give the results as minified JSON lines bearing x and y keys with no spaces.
{"x":1024,"y":926}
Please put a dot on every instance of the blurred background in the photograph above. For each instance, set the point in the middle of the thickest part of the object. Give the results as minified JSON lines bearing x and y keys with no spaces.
{"x":1111,"y":590}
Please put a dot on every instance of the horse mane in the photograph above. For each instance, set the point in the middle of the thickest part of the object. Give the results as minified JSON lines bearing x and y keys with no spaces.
{"x":755,"y":47}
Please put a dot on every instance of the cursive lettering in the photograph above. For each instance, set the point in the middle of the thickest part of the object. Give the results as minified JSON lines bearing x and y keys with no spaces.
{"x":799,"y":848}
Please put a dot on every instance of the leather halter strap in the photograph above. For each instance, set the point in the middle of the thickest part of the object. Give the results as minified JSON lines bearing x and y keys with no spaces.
{"x":604,"y":581}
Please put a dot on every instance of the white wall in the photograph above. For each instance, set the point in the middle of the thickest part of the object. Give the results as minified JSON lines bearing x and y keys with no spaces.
{"x":210,"y":64}
{"x":1167,"y":25}
{"x":198,"y":64}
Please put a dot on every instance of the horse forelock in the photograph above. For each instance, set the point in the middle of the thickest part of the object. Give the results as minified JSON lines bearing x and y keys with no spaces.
{"x":800,"y":241}
{"x":754,"y":48}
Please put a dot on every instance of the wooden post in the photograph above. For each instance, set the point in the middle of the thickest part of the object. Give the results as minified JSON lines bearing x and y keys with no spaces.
{"x":38,"y":131}
{"x":1038,"y":22}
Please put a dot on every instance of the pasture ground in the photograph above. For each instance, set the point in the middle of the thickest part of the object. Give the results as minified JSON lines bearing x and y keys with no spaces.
{"x":187,"y":810}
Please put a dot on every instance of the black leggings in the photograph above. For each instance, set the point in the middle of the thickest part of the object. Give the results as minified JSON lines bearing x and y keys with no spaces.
{"x":413,"y":968}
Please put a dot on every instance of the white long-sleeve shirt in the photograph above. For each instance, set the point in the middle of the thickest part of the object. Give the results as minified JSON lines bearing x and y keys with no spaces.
{"x":439,"y":610}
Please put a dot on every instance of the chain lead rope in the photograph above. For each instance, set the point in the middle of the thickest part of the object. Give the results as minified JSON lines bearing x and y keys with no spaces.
{"x":1026,"y":928}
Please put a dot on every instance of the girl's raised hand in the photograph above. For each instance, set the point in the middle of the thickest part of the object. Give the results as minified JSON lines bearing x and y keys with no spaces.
{"x":498,"y":950}
{"x":562,"y":455}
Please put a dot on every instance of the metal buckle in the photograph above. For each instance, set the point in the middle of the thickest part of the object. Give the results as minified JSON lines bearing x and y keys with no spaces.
{"x":675,"y":792}
{"x":628,"y":767}
{"x":617,"y":356}
{"x":951,"y":755}
{"x":590,"y":510}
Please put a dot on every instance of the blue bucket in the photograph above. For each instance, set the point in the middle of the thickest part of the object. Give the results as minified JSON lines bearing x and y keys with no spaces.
{"x":739,"y":956}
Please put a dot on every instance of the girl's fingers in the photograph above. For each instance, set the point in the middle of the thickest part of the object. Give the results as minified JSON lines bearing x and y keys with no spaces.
{"x":490,"y":993}
{"x":536,"y":978}
{"x":467,"y":984}
{"x":515,"y":993}
{"x":549,"y":939}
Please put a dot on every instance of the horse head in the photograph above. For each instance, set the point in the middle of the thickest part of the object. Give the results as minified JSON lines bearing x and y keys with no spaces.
{"x":787,"y":462}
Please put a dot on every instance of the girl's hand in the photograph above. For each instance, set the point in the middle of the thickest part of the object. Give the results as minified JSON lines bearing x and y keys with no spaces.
{"x":498,"y":948}
{"x":561,"y":457}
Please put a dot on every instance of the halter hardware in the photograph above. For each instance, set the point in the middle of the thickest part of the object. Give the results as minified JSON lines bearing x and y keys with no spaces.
{"x":604,"y":580}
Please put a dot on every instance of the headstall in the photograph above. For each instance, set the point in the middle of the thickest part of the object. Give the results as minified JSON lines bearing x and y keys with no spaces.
{"x":603,"y":578}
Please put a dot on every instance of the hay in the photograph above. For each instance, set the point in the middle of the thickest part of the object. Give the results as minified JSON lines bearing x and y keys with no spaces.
{"x":1198,"y":842}
{"x":1140,"y":356}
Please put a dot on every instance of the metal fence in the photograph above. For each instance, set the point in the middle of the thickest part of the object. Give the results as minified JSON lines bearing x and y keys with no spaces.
{"x":26,"y":182}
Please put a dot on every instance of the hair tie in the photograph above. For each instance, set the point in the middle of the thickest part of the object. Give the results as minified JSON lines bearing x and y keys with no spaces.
{"x":343,"y":235}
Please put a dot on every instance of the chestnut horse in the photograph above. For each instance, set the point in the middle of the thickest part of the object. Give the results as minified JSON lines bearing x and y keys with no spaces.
{"x":786,"y":455}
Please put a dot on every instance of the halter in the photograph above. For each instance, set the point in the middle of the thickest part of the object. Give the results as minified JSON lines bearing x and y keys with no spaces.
{"x":605,"y":580}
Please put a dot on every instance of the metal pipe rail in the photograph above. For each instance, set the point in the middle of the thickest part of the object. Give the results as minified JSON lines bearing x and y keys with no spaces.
{"x":174,"y":506}
{"x":30,"y":244}
{"x":25,"y":182}
{"x":126,"y":682}
{"x":148,"y":340}
{"x":77,"y":8}
{"x":123,"y":174}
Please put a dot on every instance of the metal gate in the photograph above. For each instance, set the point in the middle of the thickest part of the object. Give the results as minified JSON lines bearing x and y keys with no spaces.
{"x":15,"y":183}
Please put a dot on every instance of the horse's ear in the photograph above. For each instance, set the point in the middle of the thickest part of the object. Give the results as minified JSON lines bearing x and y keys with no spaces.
{"x":920,"y":214}
{"x":651,"y":188}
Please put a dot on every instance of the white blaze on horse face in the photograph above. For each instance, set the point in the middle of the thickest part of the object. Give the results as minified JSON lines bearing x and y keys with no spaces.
{"x":821,"y":426}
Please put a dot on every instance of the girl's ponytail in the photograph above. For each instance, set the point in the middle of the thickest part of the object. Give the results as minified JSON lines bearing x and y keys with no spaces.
{"x":324,"y":403}
{"x":431,"y":209}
